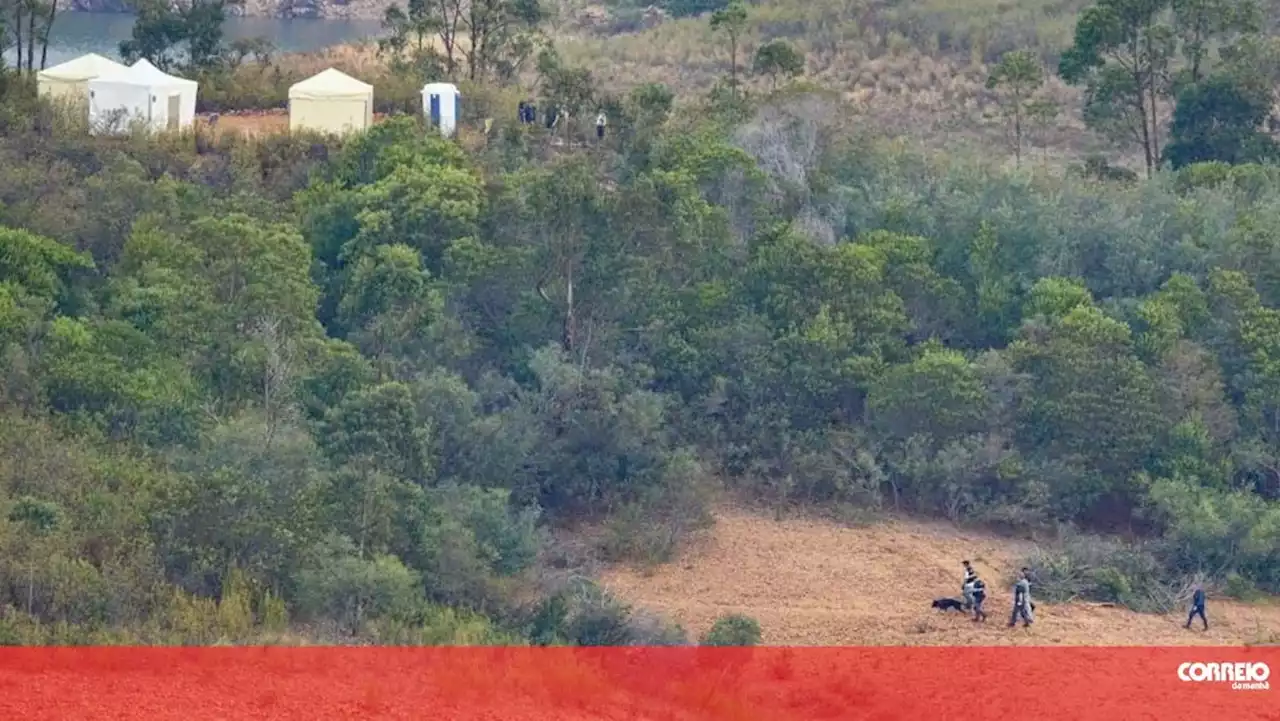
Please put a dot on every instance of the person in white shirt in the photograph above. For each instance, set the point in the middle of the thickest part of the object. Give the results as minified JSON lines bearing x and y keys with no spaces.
{"x":970,"y":576}
{"x":600,"y":123}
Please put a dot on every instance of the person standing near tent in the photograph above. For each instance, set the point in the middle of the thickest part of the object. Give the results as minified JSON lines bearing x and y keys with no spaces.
{"x":966,"y":587}
{"x":600,"y":123}
{"x":1197,"y":607}
{"x":1022,"y":599}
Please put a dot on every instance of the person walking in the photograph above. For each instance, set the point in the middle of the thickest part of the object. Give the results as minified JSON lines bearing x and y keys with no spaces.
{"x":979,"y":595}
{"x":1022,"y":599}
{"x":966,"y":587}
{"x":600,"y":123}
{"x":1197,"y":607}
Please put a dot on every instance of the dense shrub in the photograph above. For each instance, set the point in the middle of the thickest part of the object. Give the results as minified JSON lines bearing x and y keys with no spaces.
{"x":733,"y":630}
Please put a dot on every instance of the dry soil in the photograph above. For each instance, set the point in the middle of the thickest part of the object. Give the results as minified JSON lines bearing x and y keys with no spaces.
{"x":816,"y":582}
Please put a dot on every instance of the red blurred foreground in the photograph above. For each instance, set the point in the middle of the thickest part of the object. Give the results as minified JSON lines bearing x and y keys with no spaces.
{"x":508,"y":684}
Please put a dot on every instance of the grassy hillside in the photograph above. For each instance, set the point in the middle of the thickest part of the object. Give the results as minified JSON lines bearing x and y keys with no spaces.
{"x":917,"y":66}
{"x":903,"y":66}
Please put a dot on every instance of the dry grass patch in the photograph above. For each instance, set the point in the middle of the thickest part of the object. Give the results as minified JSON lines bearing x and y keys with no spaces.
{"x":811,"y":581}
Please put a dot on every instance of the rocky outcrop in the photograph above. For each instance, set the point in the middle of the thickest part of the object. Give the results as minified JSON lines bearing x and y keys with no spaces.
{"x":100,"y":6}
{"x":331,"y":9}
{"x":300,"y":9}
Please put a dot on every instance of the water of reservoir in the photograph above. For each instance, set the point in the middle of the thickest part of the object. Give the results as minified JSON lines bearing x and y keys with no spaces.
{"x":75,"y":34}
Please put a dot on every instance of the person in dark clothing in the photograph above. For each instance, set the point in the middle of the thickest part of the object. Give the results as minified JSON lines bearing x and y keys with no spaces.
{"x":979,"y":595}
{"x":1197,"y":608}
{"x":1022,"y":600}
{"x":522,"y":112}
{"x":600,"y":123}
{"x":553,"y":115}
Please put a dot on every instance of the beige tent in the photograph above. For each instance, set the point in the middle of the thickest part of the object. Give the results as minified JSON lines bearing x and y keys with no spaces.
{"x":70,"y":80}
{"x":331,"y":102}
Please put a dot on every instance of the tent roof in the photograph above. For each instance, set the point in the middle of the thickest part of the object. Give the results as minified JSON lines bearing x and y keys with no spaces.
{"x":144,"y":73}
{"x":84,"y":67}
{"x":330,"y":83}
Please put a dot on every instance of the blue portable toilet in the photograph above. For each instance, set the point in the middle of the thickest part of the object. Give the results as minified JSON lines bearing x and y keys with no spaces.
{"x":442,"y":104}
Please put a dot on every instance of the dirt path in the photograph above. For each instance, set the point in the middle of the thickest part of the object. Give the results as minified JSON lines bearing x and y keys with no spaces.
{"x":812,"y":582}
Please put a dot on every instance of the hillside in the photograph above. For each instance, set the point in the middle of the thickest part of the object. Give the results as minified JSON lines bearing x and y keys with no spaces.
{"x":348,"y":389}
{"x":916,"y":67}
{"x":814,"y":582}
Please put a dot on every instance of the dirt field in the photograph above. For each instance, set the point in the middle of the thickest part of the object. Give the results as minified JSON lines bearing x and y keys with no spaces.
{"x":256,"y":123}
{"x":817,"y":583}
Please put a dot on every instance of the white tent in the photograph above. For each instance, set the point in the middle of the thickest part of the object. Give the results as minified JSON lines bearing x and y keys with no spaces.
{"x":331,"y":102}
{"x":442,"y":105}
{"x":141,"y":92}
{"x":70,"y":80}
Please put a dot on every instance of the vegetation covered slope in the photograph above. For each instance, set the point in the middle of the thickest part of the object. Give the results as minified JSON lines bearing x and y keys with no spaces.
{"x":298,"y":388}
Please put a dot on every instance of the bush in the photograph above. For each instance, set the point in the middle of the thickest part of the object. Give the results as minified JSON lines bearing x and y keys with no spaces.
{"x":1241,"y":588}
{"x":733,"y":630}
{"x":583,"y":614}
{"x":651,"y":531}
{"x":341,"y":585}
{"x":1097,"y":569}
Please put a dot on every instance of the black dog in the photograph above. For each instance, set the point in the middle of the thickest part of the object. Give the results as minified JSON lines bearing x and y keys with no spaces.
{"x":948,"y":604}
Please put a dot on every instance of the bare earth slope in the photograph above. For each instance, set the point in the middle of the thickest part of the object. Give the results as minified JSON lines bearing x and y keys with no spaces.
{"x":813,"y":582}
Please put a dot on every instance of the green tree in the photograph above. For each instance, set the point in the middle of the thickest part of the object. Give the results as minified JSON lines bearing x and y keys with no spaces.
{"x":776,"y":59}
{"x":1042,"y":112}
{"x":379,"y":426}
{"x":423,"y":205}
{"x":1090,"y":404}
{"x":474,"y":544}
{"x":939,"y":395}
{"x":732,"y":21}
{"x":31,"y":23}
{"x":37,"y":519}
{"x":388,"y":307}
{"x":162,"y":28}
{"x":109,"y":375}
{"x":417,"y":24}
{"x":37,"y":266}
{"x":1202,"y":22}
{"x":411,"y":31}
{"x":499,"y":35}
{"x":1121,"y":53}
{"x":1018,"y":75}
{"x":338,"y":584}
{"x":206,"y":294}
{"x":1221,"y":119}
{"x":560,"y":214}
{"x":246,"y":503}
